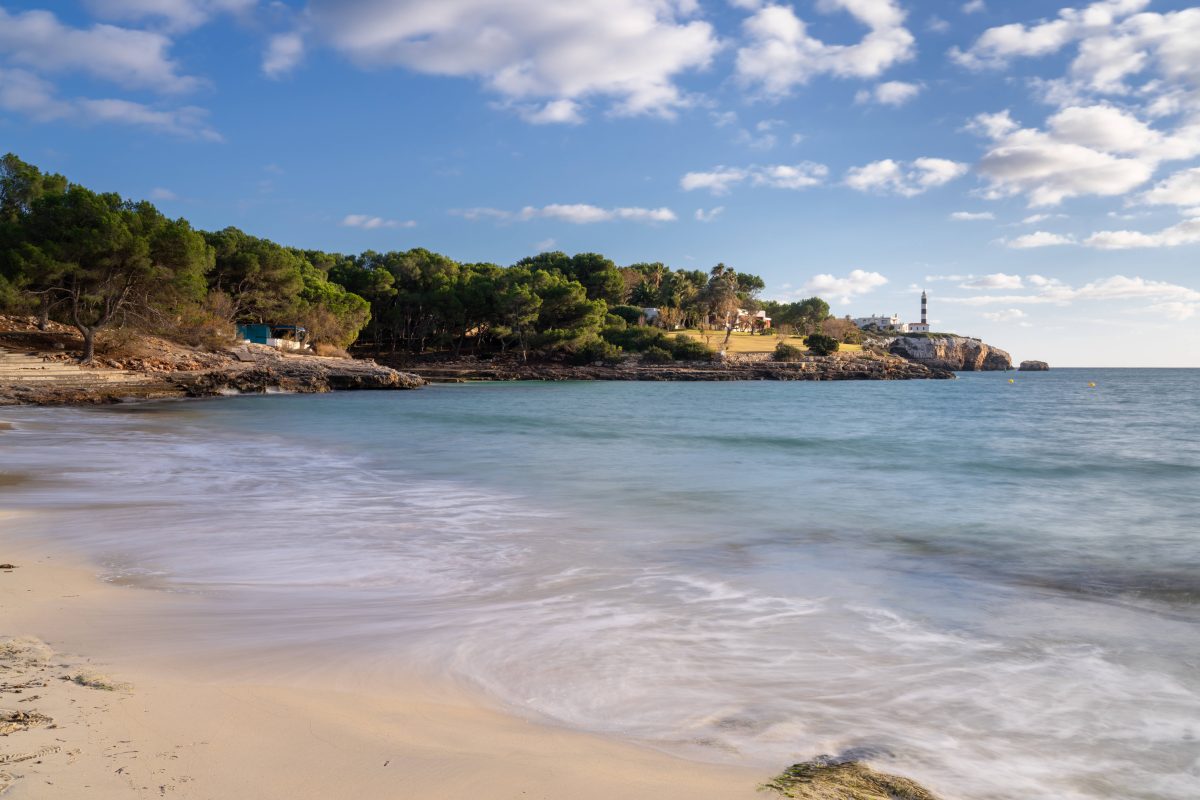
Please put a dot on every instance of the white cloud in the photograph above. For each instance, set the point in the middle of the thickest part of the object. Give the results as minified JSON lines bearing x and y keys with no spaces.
{"x":971,"y":216}
{"x":130,"y":58}
{"x":367,"y":222}
{"x":718,"y":181}
{"x":1175,"y":310}
{"x":778,"y":176}
{"x":1180,"y":189}
{"x":1034,"y":219}
{"x":790,"y":176}
{"x":763,"y":136}
{"x":545,"y":245}
{"x":163,"y":194}
{"x":1116,"y":287}
{"x":174,"y":14}
{"x":575,"y":213}
{"x":1098,"y":150}
{"x":709,"y":215}
{"x":284,"y":52}
{"x":905,"y":179}
{"x":27,"y":94}
{"x":555,"y":112}
{"x":1186,"y":232}
{"x":997,"y":280}
{"x":628,"y":51}
{"x":889,"y":93}
{"x":1007,"y":315}
{"x":780,"y":54}
{"x":856,"y":283}
{"x":1117,"y":46}
{"x":937,"y":25}
{"x":974,"y":7}
{"x":1039,"y":239}
{"x":996,"y":46}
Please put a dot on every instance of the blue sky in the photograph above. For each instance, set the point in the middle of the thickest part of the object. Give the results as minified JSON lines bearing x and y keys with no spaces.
{"x":1036,"y":169}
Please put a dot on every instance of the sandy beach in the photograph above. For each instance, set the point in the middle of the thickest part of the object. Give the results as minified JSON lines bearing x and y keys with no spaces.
{"x":88,"y":723}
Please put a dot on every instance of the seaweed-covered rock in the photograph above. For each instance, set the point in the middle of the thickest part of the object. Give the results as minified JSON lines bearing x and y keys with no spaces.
{"x":825,"y":778}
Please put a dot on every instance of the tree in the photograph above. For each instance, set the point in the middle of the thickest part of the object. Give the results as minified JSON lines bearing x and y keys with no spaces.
{"x":103,"y":256}
{"x":821,"y":345}
{"x":21,"y":185}
{"x":811,"y":313}
{"x":262,"y":279}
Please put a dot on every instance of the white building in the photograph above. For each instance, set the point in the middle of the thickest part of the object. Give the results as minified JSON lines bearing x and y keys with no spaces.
{"x":882,"y":323}
{"x":893,"y":323}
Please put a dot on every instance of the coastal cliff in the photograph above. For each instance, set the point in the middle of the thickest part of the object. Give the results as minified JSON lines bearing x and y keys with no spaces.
{"x":955,"y":353}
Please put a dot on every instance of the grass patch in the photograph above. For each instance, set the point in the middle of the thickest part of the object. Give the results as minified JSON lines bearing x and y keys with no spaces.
{"x":747,"y":343}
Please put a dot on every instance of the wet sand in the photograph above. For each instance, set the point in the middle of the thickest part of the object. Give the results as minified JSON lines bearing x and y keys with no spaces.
{"x":87,"y":719}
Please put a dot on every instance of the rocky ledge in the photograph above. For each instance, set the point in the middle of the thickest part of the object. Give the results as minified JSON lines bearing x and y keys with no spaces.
{"x":955,"y":353}
{"x":31,"y":376}
{"x":1034,"y":366}
{"x":842,"y":367}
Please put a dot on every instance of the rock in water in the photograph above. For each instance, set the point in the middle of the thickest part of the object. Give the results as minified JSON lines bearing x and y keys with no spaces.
{"x":955,"y":353}
{"x":828,"y":779}
{"x":1034,"y":366}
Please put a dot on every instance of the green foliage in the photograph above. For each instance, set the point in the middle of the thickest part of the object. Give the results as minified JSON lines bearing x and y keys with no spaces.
{"x":685,"y":348}
{"x":657,"y":355}
{"x":92,"y":259}
{"x":638,"y":338}
{"x":787,"y":352}
{"x":631,"y":314}
{"x":822,"y":345}
{"x":594,"y":350}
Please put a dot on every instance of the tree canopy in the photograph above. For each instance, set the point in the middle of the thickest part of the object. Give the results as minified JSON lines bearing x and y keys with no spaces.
{"x":92,"y":259}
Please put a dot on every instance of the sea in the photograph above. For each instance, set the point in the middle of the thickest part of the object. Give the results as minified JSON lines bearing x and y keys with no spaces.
{"x":990,"y":585}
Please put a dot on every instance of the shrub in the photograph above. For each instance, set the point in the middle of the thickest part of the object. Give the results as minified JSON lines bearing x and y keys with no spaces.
{"x":596,"y":350}
{"x":329,"y":350}
{"x":657,"y":355}
{"x":822,"y":345}
{"x":685,"y":348}
{"x":637,"y":338}
{"x":787,"y":352}
{"x":614,"y":322}
{"x":631,"y":314}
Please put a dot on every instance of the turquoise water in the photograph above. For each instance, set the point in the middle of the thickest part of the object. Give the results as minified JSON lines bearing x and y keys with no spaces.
{"x":993,"y":588}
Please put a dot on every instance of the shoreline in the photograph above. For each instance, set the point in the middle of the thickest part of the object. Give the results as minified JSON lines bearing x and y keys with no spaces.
{"x":119,"y":728}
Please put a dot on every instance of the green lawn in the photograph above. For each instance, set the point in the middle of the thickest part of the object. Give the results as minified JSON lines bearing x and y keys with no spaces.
{"x":752,"y":343}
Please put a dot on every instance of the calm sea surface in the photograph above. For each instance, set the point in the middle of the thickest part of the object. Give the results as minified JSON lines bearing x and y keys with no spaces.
{"x":993,"y":588}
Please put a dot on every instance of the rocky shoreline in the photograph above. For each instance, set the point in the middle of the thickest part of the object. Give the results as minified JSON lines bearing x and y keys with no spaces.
{"x":39,"y":368}
{"x":839,"y":367}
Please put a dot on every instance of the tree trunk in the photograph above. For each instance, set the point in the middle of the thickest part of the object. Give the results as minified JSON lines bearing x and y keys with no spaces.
{"x":44,"y":314}
{"x":89,"y":344}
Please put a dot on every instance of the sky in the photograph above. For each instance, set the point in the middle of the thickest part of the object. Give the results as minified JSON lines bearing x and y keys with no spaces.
{"x":1035,"y":168}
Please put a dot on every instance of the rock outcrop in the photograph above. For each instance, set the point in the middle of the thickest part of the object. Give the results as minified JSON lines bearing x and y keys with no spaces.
{"x":955,"y":353}
{"x":827,"y":778}
{"x":32,"y":371}
{"x":1033,"y":366}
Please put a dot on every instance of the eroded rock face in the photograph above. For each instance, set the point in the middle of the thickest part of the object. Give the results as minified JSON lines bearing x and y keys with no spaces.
{"x":955,"y":353}
{"x":1034,"y":366}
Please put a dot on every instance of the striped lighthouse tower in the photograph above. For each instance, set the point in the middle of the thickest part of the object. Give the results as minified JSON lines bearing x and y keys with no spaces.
{"x":924,"y":309}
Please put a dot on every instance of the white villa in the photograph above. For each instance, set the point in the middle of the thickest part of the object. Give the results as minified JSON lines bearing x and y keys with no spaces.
{"x":893,"y":322}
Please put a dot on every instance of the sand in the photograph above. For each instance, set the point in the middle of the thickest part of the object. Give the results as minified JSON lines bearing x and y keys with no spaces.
{"x":95,"y":724}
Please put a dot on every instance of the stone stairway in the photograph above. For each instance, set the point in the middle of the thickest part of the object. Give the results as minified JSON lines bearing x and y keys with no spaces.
{"x":27,"y":369}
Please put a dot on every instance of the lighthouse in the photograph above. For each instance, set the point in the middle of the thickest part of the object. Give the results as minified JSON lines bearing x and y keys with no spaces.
{"x":923,"y":325}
